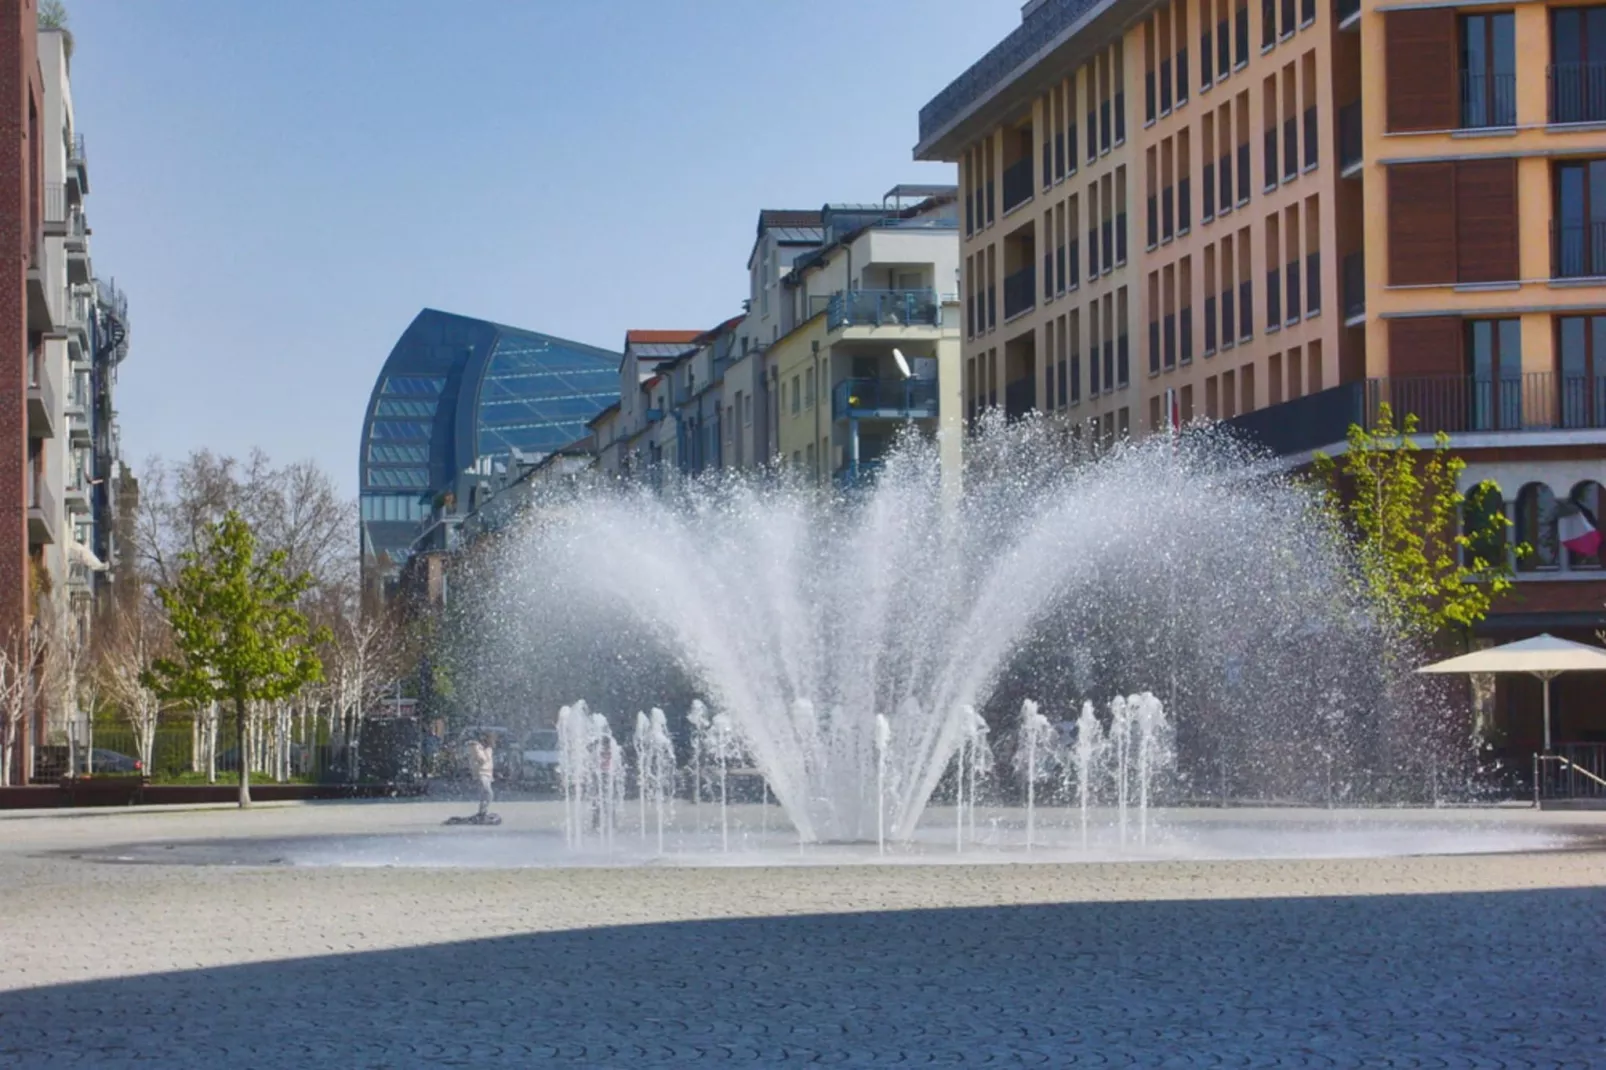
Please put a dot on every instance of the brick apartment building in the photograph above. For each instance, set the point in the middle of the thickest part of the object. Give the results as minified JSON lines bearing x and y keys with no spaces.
{"x":1283,"y":212}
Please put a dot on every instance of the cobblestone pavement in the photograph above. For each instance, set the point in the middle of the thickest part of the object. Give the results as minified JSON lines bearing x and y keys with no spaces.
{"x":1481,"y":960}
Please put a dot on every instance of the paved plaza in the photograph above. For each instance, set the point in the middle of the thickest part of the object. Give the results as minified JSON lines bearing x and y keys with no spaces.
{"x":1473,"y":960}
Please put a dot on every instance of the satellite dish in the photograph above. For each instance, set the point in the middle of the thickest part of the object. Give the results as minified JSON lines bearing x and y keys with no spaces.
{"x":903,"y":365}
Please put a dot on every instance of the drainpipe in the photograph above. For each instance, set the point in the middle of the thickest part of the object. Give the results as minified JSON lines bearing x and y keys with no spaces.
{"x":819,"y":398}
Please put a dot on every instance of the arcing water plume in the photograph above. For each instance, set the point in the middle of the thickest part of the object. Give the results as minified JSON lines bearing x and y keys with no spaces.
{"x":1177,"y":568}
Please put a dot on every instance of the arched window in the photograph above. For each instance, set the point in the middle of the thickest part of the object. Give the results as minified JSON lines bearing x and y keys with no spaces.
{"x":1483,"y":503}
{"x":1578,"y":526}
{"x":1536,"y":526}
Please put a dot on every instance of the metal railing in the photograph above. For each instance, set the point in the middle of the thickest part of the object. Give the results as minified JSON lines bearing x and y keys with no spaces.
{"x":1578,"y":250}
{"x":1351,"y":150}
{"x":1034,"y":34}
{"x":888,"y":398}
{"x":1577,"y":92}
{"x":75,"y":150}
{"x":1020,"y":291}
{"x":1488,"y":100}
{"x":1454,"y":404}
{"x":1017,"y":183}
{"x":1573,"y":771}
{"x":883,"y":308}
{"x":55,"y":204}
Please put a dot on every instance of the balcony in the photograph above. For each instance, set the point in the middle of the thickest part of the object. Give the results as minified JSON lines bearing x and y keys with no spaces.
{"x":884,"y":399}
{"x":76,"y":496}
{"x":77,"y":247}
{"x":79,"y":433}
{"x":1577,"y":92}
{"x":1488,"y":101}
{"x":1020,"y":292}
{"x":1017,"y":184}
{"x":55,"y":220}
{"x":41,"y":406}
{"x":1351,"y":153}
{"x":77,"y":166}
{"x":1578,"y":250}
{"x":883,"y":308}
{"x":1453,"y":404}
{"x":1354,"y":289}
{"x":42,"y":515}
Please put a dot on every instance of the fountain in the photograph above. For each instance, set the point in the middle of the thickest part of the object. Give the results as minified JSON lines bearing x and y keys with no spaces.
{"x":856,"y":649}
{"x":591,"y":775}
{"x":1033,"y":753}
{"x":655,"y":770}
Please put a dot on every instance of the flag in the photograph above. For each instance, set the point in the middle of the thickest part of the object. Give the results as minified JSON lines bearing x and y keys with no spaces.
{"x":1578,"y":529}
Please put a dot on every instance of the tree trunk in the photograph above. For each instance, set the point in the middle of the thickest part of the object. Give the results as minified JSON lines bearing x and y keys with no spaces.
{"x":243,"y":727}
{"x":211,"y":742}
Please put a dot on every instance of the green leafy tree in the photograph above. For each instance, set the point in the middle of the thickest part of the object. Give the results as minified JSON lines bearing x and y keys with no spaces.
{"x":238,"y":630}
{"x":1435,"y":558}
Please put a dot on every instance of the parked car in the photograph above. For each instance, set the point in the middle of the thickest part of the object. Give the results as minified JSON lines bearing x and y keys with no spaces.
{"x":539,"y":757}
{"x":109,"y":761}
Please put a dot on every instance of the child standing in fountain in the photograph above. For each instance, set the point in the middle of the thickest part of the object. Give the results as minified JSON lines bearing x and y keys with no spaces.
{"x":481,"y":758}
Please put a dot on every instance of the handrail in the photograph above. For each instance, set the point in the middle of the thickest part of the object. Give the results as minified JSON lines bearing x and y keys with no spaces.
{"x":1567,"y":763}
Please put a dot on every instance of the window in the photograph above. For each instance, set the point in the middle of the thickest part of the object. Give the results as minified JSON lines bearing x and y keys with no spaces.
{"x":1578,"y":64}
{"x":1581,"y":370}
{"x":797,"y":394}
{"x":1578,"y":527}
{"x":1536,"y":526}
{"x":1484,"y":503}
{"x":1241,"y":32}
{"x":1488,"y":70}
{"x":808,"y":395}
{"x":398,"y":430}
{"x":1580,"y":224}
{"x":378,"y":454}
{"x":1494,"y":366}
{"x":416,"y":386}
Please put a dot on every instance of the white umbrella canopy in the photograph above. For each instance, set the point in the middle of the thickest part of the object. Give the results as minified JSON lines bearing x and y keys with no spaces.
{"x":1543,"y":656}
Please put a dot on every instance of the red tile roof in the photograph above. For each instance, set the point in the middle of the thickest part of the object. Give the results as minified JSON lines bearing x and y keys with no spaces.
{"x":662,"y":337}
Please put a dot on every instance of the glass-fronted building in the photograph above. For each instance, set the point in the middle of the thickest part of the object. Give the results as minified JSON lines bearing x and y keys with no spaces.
{"x":459,"y":397}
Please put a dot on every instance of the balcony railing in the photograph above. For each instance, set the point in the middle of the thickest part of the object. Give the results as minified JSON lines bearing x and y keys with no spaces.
{"x":910,"y":399}
{"x":1577,"y":92}
{"x":883,"y":308}
{"x":1454,"y":404}
{"x":1020,"y":292}
{"x":1488,"y":100}
{"x":55,"y":207}
{"x":1017,"y":183}
{"x":1578,"y":250}
{"x":1350,"y":141}
{"x":1354,"y":286}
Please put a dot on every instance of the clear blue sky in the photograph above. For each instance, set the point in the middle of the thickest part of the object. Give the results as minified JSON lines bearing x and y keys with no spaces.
{"x":280,"y":186}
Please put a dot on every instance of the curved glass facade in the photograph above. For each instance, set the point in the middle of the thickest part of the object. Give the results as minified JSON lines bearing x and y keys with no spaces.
{"x":460,"y":395}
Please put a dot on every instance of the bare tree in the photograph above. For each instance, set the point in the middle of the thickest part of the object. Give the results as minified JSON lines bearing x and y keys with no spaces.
{"x":135,"y":641}
{"x":22,"y":676}
{"x":294,"y":508}
{"x":366,"y":656}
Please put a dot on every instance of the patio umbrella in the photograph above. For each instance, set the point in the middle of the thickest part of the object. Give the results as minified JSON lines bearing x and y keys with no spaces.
{"x":1543,"y":656}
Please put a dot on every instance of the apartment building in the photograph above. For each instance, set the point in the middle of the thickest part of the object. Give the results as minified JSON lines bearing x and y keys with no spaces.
{"x":881,"y":287}
{"x":1341,"y":203}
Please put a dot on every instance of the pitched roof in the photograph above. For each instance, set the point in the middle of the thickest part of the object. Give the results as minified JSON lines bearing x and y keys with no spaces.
{"x":661,"y":337}
{"x":787,"y":217}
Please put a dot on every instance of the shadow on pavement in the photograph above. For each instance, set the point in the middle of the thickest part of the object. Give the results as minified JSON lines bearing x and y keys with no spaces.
{"x":1494,"y":979}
